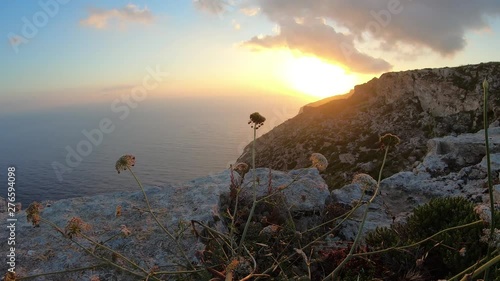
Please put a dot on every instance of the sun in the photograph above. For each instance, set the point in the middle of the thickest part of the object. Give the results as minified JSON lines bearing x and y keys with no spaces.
{"x":317,"y":78}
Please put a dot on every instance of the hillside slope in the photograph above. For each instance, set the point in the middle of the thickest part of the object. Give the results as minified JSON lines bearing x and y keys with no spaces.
{"x":416,"y":105}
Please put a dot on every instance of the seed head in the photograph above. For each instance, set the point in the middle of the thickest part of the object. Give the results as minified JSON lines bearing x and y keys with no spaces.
{"x":241,"y":168}
{"x":126,"y":161}
{"x":256,"y":120}
{"x":462,"y":252}
{"x":486,"y":85}
{"x":75,"y":227}
{"x":125,"y":231}
{"x":319,"y":161}
{"x":492,"y":240}
{"x":118,"y":211}
{"x":365,"y":180}
{"x":389,"y":140}
{"x":10,"y":276}
{"x":33,"y":213}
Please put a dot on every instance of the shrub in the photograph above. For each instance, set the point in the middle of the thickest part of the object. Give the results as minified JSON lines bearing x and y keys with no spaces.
{"x":443,"y":256}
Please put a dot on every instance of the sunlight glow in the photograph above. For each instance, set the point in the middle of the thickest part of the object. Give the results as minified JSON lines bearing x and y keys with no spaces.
{"x":317,"y":78}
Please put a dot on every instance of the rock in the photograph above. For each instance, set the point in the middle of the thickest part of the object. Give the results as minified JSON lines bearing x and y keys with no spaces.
{"x":43,"y":249}
{"x":453,"y":153}
{"x":347,"y":158}
{"x":404,"y":191}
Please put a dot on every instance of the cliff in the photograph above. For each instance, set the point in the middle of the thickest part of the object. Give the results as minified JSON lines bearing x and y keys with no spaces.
{"x":416,"y":105}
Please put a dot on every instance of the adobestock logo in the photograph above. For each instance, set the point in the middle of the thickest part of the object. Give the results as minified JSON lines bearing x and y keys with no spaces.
{"x":31,"y":26}
{"x":95,"y":137}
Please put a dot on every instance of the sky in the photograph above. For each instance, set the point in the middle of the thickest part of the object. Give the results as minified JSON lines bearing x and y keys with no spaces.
{"x":58,"y":53}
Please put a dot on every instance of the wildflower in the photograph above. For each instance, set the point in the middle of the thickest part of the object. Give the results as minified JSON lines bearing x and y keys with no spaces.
{"x":241,"y":168}
{"x":365,"y":180}
{"x":270,"y":230}
{"x":118,"y":211}
{"x":319,"y":161}
{"x":126,"y":161}
{"x":483,"y":212}
{"x":462,"y":252}
{"x":389,"y":140}
{"x":125,"y":230}
{"x":33,"y":213}
{"x":368,"y":184}
{"x":75,"y":226}
{"x":493,"y":241}
{"x":10,"y":276}
{"x":257,"y":120}
{"x":419,"y":262}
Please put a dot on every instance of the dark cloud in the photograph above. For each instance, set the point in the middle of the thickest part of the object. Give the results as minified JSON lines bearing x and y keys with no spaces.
{"x":315,"y":37}
{"x":439,"y":26}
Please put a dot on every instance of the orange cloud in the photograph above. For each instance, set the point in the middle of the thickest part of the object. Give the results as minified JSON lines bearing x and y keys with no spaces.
{"x":100,"y":19}
{"x":316,"y":38}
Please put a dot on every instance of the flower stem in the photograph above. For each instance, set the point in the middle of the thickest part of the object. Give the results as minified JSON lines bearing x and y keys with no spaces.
{"x":62,"y":271}
{"x":252,"y":210}
{"x":488,"y":164}
{"x":361,"y":226}
{"x":87,"y":250}
{"x":158,"y":221}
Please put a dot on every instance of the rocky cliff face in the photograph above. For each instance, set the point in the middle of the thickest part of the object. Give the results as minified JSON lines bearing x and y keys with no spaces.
{"x":416,"y":105}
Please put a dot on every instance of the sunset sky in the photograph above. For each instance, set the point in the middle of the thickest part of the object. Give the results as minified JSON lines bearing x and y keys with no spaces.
{"x":69,"y":52}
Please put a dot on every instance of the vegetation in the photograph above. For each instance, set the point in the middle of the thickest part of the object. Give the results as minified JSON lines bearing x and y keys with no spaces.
{"x":446,"y":254}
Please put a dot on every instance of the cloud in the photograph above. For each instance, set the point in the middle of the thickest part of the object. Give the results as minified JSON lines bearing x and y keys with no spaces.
{"x":100,"y":19}
{"x":216,"y":7}
{"x":116,"y":89}
{"x":314,"y":37}
{"x":437,"y":25}
{"x":353,"y":31}
{"x":250,"y":11}
{"x":236,"y":25}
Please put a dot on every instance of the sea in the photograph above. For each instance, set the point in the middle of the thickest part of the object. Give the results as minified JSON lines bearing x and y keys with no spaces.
{"x":174,"y":140}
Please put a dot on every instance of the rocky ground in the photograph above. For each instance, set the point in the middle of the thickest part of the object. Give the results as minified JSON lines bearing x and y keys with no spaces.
{"x":43,"y":249}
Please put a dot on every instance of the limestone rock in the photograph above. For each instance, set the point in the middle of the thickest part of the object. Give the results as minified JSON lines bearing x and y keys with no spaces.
{"x":402,"y":192}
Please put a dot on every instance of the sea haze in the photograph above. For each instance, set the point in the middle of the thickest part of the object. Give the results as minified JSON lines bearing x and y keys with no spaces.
{"x":174,"y":140}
